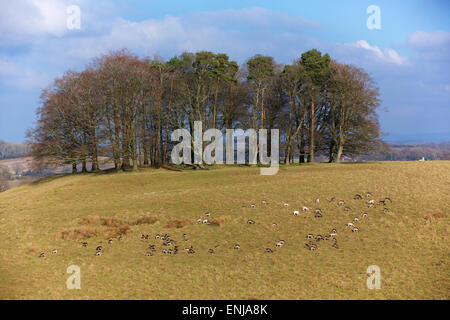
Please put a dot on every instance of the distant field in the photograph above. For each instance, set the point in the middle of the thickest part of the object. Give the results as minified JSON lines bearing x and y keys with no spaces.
{"x":410,"y":242}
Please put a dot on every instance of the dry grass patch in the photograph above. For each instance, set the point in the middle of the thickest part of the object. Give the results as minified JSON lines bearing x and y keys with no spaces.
{"x":436,"y":215}
{"x":89,"y":220}
{"x":85,"y":232}
{"x":113,"y":222}
{"x":145,"y":220}
{"x":96,"y":226}
{"x":178,"y":224}
{"x":32,"y":250}
{"x":217,"y":222}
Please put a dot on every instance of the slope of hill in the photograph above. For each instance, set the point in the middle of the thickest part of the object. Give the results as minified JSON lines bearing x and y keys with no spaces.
{"x":409,"y":242}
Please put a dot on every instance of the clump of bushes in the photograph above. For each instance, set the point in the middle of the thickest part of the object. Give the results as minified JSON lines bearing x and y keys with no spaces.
{"x":96,"y":226}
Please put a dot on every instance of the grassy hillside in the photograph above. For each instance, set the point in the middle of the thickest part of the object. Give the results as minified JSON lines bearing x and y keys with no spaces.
{"x":409,"y":243}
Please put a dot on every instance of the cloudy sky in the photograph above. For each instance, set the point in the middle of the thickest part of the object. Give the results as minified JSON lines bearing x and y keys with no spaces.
{"x":409,"y":57}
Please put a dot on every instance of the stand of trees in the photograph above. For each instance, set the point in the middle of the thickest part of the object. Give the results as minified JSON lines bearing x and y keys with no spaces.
{"x":13,"y":150}
{"x":125,"y":108}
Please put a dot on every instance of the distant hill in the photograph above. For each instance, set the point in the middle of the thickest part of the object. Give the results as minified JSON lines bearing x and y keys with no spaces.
{"x":410,"y":152}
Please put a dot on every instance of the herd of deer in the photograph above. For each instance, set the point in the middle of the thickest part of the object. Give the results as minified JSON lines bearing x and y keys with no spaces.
{"x":170,"y":247}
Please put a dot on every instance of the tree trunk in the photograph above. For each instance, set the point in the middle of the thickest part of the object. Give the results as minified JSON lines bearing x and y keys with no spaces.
{"x":135,"y":164}
{"x":84,"y":166}
{"x":215,"y":104}
{"x":95,"y":167}
{"x":144,"y":142}
{"x":289,"y":136}
{"x":332,"y":152}
{"x":339,"y":153}
{"x":167,"y":122}
{"x":74,"y":167}
{"x":340,"y":147}
{"x":311,"y":134}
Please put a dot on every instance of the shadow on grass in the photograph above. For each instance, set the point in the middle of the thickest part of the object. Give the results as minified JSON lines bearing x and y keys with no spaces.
{"x":62,"y":175}
{"x":181,"y":168}
{"x":49,"y":178}
{"x":360,"y":162}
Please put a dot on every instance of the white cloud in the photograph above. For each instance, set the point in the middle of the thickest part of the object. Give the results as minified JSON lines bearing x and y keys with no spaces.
{"x":388,"y":55}
{"x":24,"y":20}
{"x":426,"y":39}
{"x":211,"y":30}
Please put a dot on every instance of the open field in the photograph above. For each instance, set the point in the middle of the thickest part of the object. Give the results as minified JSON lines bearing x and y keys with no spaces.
{"x":410,"y":243}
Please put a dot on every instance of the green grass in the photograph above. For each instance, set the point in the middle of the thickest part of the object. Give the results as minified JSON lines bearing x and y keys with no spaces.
{"x":409,"y":244}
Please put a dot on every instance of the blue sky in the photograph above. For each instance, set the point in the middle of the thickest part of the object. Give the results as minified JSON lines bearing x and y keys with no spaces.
{"x":409,"y":57}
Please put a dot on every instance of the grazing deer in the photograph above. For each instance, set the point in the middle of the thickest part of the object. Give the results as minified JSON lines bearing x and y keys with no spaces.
{"x":280,"y":243}
{"x":311,"y":246}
